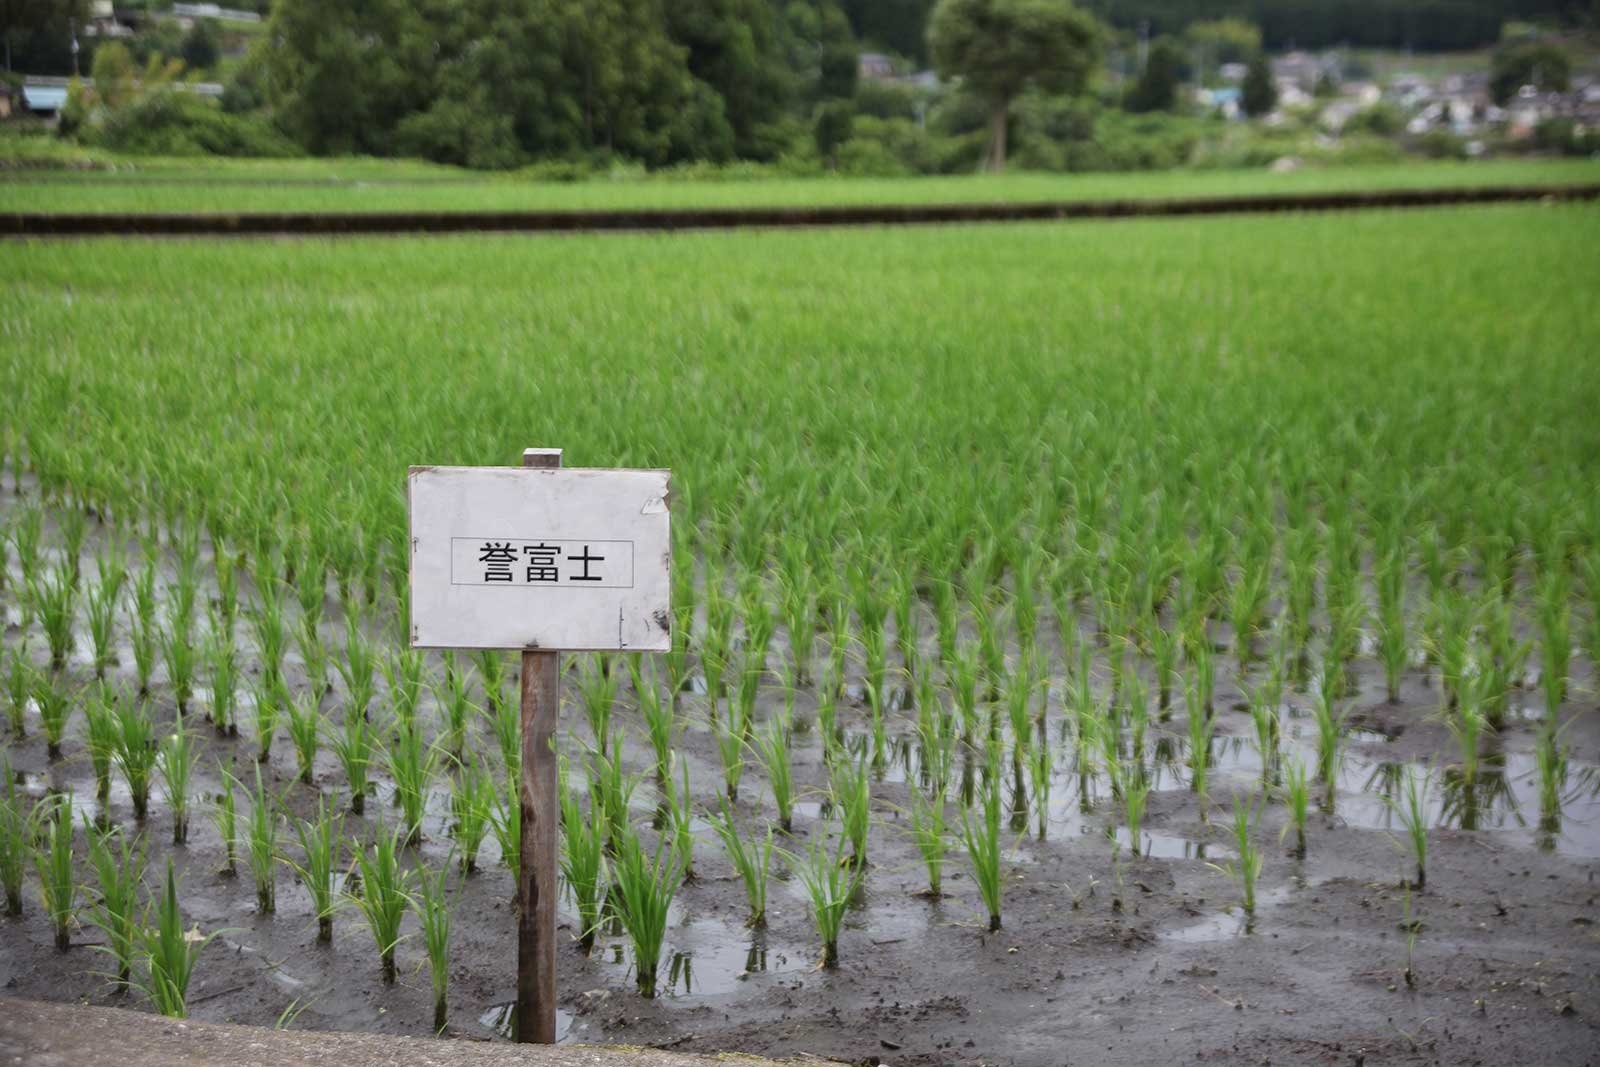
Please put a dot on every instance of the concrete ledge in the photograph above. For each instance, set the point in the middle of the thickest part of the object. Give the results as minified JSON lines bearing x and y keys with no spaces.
{"x":36,"y":1034}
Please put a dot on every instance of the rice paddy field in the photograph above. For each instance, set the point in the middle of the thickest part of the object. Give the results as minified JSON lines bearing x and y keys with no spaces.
{"x":1112,"y":643}
{"x":170,"y":186}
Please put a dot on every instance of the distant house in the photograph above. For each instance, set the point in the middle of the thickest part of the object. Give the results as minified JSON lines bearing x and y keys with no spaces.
{"x":874,"y":66}
{"x":44,"y":101}
{"x":1226,"y":100}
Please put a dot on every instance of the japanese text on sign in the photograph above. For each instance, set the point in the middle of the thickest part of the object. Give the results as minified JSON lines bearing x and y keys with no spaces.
{"x":541,"y":562}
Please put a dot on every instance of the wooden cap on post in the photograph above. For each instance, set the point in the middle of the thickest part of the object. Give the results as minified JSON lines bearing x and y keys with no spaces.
{"x":541,"y":457}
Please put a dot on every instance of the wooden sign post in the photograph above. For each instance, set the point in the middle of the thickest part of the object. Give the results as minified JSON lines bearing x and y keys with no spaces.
{"x":541,"y":559}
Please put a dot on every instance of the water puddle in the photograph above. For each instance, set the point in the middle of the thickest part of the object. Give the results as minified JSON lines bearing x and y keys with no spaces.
{"x":502,"y":1019}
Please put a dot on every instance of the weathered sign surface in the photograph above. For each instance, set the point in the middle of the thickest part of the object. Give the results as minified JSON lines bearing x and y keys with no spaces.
{"x":529,"y":558}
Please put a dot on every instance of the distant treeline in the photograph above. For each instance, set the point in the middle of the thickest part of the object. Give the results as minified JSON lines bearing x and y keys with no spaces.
{"x":1426,"y":25}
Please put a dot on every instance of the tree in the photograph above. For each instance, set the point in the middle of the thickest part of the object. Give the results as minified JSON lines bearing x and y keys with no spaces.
{"x":1157,"y":87}
{"x":1258,"y":95}
{"x":1527,"y":62}
{"x":20,"y":18}
{"x":899,"y":26}
{"x":200,"y":50}
{"x":831,"y":128}
{"x":999,"y":47}
{"x":734,"y":47}
{"x":1227,"y":40}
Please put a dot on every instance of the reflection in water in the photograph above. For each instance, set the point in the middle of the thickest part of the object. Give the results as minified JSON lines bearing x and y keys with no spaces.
{"x":502,"y":1019}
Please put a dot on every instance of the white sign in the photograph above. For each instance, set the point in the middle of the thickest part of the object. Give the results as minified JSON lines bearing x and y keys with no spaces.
{"x":548,"y":559}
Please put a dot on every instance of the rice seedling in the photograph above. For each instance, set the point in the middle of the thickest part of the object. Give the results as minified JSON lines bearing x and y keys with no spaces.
{"x":16,"y":840}
{"x":611,"y":792}
{"x":1247,"y":604}
{"x":145,"y":637}
{"x":1555,"y":627}
{"x":358,"y":669}
{"x":411,"y":762}
{"x":1467,"y":725}
{"x":799,"y":607}
{"x":225,"y":818}
{"x":26,"y":534}
{"x":1247,"y":868}
{"x":170,"y":953}
{"x":268,"y":698}
{"x":319,"y":864}
{"x":1200,"y":733}
{"x":405,"y":674}
{"x":830,"y":882}
{"x":1412,"y":810}
{"x":730,"y":746}
{"x":385,"y":889}
{"x":182,"y":660}
{"x":1296,"y":793}
{"x":1164,"y":646}
{"x":505,"y":722}
{"x":58,"y":891}
{"x":1550,"y":761}
{"x":641,"y":891}
{"x":225,"y":571}
{"x":435,"y":908}
{"x":875,"y":675}
{"x":1393,"y":643}
{"x":850,"y":790}
{"x":100,"y":738}
{"x":963,"y":676}
{"x":582,"y":861}
{"x":118,"y":863}
{"x":19,"y":685}
{"x":136,"y":751}
{"x":680,"y":821}
{"x":175,"y":765}
{"x":1040,"y":767}
{"x":101,"y":615}
{"x":659,"y":719}
{"x":54,"y":599}
{"x":828,"y":720}
{"x":1590,"y":568}
{"x":1412,"y":927}
{"x":1330,"y":744}
{"x":506,"y":822}
{"x":222,"y":661}
{"x":305,"y":731}
{"x":456,"y":701}
{"x":271,"y":631}
{"x":751,"y":859}
{"x":982,"y":843}
{"x":353,"y":745}
{"x":314,"y":654}
{"x":261,"y":846}
{"x":54,"y":703}
{"x":597,"y":684}
{"x":928,"y":834}
{"x":772,"y":748}
{"x":1135,"y":790}
{"x":759,"y":623}
{"x":472,"y":810}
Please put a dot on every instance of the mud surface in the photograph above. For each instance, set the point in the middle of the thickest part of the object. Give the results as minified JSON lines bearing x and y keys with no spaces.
{"x":1141,"y":959}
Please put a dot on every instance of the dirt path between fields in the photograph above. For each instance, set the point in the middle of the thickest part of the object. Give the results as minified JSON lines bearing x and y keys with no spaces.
{"x":348,"y":224}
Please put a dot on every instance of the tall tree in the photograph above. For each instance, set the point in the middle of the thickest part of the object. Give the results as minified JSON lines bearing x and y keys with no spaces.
{"x":1258,"y":95}
{"x":1000,"y":47}
{"x":1157,"y":87}
{"x":734,"y":46}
